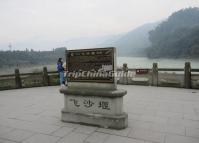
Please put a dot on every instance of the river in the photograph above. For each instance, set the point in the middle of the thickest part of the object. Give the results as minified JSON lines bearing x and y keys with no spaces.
{"x":133,"y":62}
{"x":143,"y":62}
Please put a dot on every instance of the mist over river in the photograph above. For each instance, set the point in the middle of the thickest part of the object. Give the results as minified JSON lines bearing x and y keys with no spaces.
{"x":143,"y":62}
{"x":133,"y":62}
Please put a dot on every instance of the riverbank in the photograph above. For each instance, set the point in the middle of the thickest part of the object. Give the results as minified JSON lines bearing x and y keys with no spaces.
{"x":184,"y":77}
{"x":133,"y":62}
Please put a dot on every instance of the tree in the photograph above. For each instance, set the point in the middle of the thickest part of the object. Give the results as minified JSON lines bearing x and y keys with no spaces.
{"x":177,"y":37}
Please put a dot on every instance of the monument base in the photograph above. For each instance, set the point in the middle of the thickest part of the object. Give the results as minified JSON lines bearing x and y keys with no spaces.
{"x":105,"y":121}
{"x":102,"y":108}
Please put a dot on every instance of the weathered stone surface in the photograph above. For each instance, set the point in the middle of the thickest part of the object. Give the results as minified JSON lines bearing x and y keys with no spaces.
{"x":105,"y":121}
{"x":41,"y":138}
{"x":93,"y":105}
{"x":93,"y":92}
{"x":97,"y":107}
{"x":94,"y":86}
{"x":17,"y":135}
{"x":93,"y":100}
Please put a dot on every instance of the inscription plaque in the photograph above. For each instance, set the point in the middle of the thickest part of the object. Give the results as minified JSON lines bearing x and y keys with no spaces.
{"x":91,"y":65}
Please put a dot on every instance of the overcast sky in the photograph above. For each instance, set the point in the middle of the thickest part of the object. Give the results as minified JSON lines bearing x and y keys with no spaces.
{"x":61,"y":20}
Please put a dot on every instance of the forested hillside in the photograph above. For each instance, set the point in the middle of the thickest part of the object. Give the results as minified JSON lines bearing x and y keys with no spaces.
{"x":134,"y":42}
{"x":177,"y":37}
{"x":26,"y":58}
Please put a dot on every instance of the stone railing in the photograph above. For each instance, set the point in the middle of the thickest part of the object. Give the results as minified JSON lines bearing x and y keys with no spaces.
{"x":164,"y":77}
{"x":27,"y":80}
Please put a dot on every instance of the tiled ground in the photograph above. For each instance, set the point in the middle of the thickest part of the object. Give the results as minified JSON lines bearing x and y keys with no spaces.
{"x":156,"y":115}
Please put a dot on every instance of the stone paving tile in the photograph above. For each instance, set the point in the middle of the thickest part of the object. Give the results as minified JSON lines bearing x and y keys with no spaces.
{"x":191,"y":123}
{"x":96,"y":137}
{"x":52,"y":120}
{"x":192,"y":132}
{"x":41,"y":138}
{"x":139,"y":124}
{"x":188,"y":109}
{"x":147,"y":135}
{"x":4,"y":129}
{"x":197,"y":110}
{"x":180,"y":139}
{"x":73,"y":138}
{"x":175,"y":130}
{"x":17,"y":135}
{"x":154,"y":119}
{"x":35,"y":127}
{"x":152,"y":106}
{"x":53,"y":113}
{"x":25,"y":117}
{"x":6,"y":141}
{"x":137,"y":110}
{"x":33,"y":111}
{"x":9,"y":122}
{"x":134,"y":116}
{"x":118,"y":139}
{"x":194,"y":117}
{"x":42,"y":128}
{"x":85,"y":129}
{"x":65,"y":124}
{"x":184,"y":122}
{"x":63,"y":131}
{"x":171,"y":114}
{"x":180,"y":130}
{"x":175,"y":122}
{"x":123,"y":132}
{"x":48,"y":120}
{"x":163,"y":108}
{"x":148,"y":112}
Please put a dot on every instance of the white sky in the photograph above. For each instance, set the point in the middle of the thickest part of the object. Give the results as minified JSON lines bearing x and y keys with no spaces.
{"x":59,"y":20}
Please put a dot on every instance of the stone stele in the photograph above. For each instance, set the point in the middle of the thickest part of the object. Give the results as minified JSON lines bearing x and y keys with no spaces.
{"x":93,"y":100}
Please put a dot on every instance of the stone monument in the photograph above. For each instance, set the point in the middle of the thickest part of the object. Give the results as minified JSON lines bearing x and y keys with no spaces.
{"x":91,"y":96}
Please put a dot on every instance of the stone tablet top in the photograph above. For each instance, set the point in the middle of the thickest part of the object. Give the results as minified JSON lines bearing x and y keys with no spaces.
{"x":95,"y":93}
{"x":91,"y":65}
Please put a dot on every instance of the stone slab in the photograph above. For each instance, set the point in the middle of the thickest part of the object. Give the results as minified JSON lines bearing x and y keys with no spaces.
{"x":97,"y":137}
{"x":93,"y":105}
{"x":93,"y":92}
{"x":105,"y":121}
{"x":86,"y":85}
{"x":63,"y":131}
{"x":41,"y":138}
{"x":17,"y":135}
{"x":73,"y":138}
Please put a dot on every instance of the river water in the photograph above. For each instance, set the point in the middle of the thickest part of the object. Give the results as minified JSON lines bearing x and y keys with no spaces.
{"x":133,"y":62}
{"x":143,"y":62}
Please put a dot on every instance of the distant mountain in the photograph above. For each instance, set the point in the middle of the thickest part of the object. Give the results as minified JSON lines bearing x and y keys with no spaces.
{"x":132,"y":43}
{"x":90,"y":42}
{"x":177,"y":37}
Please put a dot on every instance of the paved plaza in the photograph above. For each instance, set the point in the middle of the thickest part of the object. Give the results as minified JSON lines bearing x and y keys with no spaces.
{"x":156,"y":115}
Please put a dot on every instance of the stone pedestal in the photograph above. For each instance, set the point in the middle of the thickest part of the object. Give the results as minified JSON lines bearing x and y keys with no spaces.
{"x":92,"y":96}
{"x":99,"y":105}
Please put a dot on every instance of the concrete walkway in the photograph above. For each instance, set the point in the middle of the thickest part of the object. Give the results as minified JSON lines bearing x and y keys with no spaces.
{"x":156,"y":115}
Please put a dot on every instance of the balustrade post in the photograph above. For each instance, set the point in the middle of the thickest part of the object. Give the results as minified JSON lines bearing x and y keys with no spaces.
{"x":187,"y":75}
{"x":155,"y":74}
{"x":17,"y":79}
